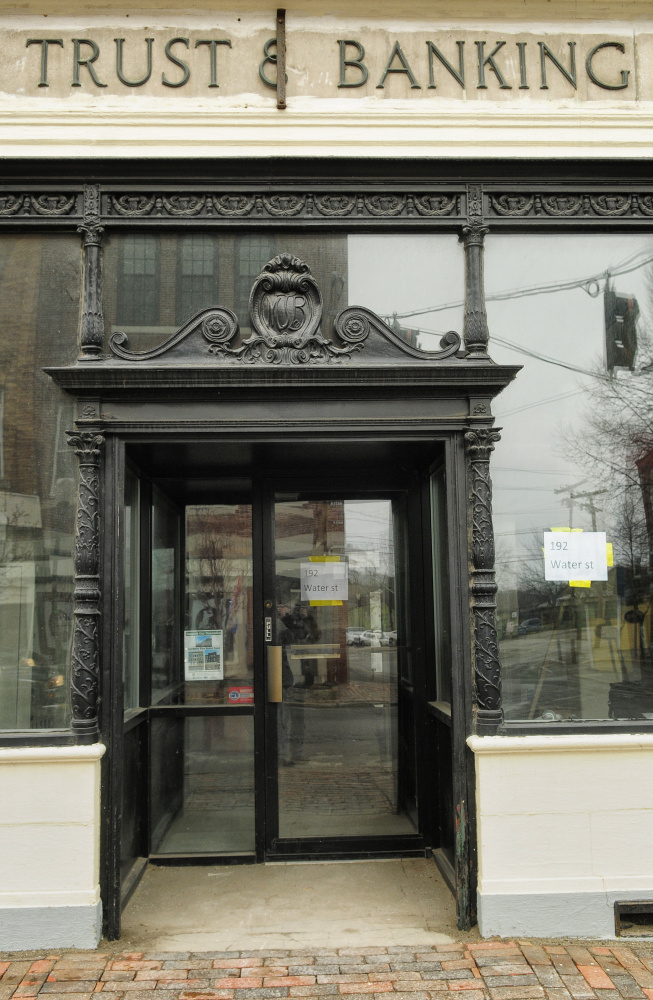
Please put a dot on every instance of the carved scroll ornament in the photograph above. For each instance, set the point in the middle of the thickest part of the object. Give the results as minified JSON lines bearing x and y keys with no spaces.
{"x":285,"y":308}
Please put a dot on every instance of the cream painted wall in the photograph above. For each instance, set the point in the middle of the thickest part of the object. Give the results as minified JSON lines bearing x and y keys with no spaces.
{"x":240,"y":117}
{"x":49,"y":847}
{"x":565,"y":828}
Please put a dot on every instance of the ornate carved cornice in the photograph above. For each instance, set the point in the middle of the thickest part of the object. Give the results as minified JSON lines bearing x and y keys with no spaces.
{"x":85,"y":657}
{"x":487,"y":669}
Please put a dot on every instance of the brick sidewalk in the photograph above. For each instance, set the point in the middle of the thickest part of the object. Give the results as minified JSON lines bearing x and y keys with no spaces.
{"x":481,"y":971}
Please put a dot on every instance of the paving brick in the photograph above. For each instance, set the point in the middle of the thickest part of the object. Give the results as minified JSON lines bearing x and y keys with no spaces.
{"x":493,"y":958}
{"x":536,"y":955}
{"x":15,"y":973}
{"x":595,"y":976}
{"x":363,"y":951}
{"x":127,"y":987}
{"x":3,"y":968}
{"x":65,"y":986}
{"x":548,"y":977}
{"x":510,"y":970}
{"x":323,"y":990}
{"x":464,"y":984}
{"x":395,"y":977}
{"x":608,"y":994}
{"x":555,"y":949}
{"x":238,"y":983}
{"x":648,"y":993}
{"x":75,"y":972}
{"x":6,"y":992}
{"x":627,"y":958}
{"x":289,"y":981}
{"x":73,"y":996}
{"x":313,"y":970}
{"x":529,"y":980}
{"x":365,"y":988}
{"x":188,"y":964}
{"x":416,"y":966}
{"x":578,"y":986}
{"x":237,"y":963}
{"x":133,"y":965}
{"x":642,"y":976}
{"x":581,"y":956}
{"x":364,"y":967}
{"x":146,"y":974}
{"x":41,"y":965}
{"x":117,"y":977}
{"x":187,"y":984}
{"x":627,"y":987}
{"x":266,"y":993}
{"x":204,"y":995}
{"x":557,"y":993}
{"x":564,"y":965}
{"x":359,"y":977}
{"x":494,"y":946}
{"x":516,"y":992}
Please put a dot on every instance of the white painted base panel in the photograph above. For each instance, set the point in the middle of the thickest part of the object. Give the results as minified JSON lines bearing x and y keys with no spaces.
{"x":26,"y":928}
{"x":565,"y":827}
{"x":49,"y":847}
{"x":550,"y":914}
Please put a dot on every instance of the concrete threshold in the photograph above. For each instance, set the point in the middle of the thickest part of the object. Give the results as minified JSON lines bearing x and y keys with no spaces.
{"x":292,"y":905}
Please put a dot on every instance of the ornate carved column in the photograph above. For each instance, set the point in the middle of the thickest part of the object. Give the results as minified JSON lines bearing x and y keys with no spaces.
{"x":85,"y":659}
{"x":487,"y":669}
{"x":92,"y":326}
{"x":473,"y":235}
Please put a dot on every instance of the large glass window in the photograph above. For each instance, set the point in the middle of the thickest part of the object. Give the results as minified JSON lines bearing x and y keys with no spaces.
{"x":155,"y":282}
{"x":573,"y":474}
{"x":40,"y":279}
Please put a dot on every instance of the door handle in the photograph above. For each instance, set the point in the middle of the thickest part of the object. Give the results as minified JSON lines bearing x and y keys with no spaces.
{"x":274,"y":664}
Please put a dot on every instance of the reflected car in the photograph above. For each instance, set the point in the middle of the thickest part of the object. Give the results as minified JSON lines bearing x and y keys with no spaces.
{"x":528,"y":626}
{"x":392,"y":637}
{"x":375,"y":637}
{"x":353,"y":635}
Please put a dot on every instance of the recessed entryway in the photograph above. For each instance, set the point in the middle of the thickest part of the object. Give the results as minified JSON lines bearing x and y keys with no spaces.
{"x":291,"y":906}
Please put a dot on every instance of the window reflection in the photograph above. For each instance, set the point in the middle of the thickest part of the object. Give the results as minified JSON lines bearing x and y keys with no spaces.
{"x":38,"y":478}
{"x":576,"y":455}
{"x":154,"y":282}
{"x":345,"y":720}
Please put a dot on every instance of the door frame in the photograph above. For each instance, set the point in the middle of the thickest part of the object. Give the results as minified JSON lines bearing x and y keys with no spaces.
{"x":453,"y":455}
{"x":343,"y":847}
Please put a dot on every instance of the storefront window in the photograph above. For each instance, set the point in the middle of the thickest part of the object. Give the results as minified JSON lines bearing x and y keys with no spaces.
{"x":573,"y":474}
{"x":154,"y":283}
{"x":40,"y":280}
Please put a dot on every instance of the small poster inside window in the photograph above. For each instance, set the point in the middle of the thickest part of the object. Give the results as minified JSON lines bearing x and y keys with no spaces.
{"x":203,"y":659}
{"x":324,"y":581}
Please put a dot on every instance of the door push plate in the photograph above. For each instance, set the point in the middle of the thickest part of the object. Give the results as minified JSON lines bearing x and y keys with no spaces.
{"x":275,"y":671}
{"x":268,"y":630}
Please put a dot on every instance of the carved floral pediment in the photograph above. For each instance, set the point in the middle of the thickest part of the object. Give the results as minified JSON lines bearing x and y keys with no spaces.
{"x":285,"y":312}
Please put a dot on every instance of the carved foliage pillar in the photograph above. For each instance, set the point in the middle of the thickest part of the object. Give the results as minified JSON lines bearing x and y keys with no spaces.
{"x":487,"y":670}
{"x":85,"y":660}
{"x":473,"y":235}
{"x":92,"y":326}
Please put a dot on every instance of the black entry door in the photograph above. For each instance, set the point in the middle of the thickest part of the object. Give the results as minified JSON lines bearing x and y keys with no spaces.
{"x":281,"y":694}
{"x":340,"y":764}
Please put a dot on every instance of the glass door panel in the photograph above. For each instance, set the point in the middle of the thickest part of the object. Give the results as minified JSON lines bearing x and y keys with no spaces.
{"x":338,"y":763}
{"x":218,"y":647}
{"x":202,"y":726}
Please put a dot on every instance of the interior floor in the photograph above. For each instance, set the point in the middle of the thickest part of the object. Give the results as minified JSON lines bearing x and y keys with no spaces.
{"x":291,"y":905}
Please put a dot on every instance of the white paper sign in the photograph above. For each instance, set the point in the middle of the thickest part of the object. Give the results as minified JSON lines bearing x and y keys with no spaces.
{"x":324,"y":581}
{"x":575,"y":555}
{"x":203,"y":660}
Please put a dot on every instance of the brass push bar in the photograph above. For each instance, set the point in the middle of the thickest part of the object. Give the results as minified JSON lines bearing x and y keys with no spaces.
{"x":275,"y":691}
